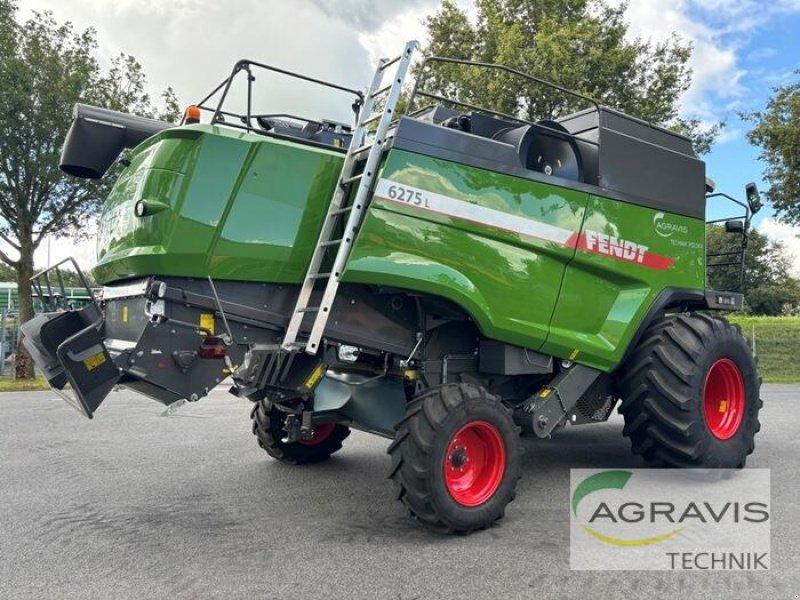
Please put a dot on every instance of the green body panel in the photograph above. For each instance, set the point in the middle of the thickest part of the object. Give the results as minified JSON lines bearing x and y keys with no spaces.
{"x":508,"y":282}
{"x":604,"y":300}
{"x":249,"y":208}
{"x":522,"y":290}
{"x":240,"y":207}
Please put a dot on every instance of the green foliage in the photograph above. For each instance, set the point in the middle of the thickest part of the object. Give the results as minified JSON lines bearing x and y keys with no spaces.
{"x":7,"y":273}
{"x":579,"y":45}
{"x":777,"y":133}
{"x":777,"y":345}
{"x":768,"y":285}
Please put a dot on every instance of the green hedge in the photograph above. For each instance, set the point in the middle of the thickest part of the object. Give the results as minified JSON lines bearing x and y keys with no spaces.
{"x":777,"y":344}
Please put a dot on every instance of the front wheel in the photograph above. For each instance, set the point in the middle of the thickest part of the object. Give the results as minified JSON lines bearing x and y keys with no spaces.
{"x":690,"y":394}
{"x":268,"y":424}
{"x":456,"y":458}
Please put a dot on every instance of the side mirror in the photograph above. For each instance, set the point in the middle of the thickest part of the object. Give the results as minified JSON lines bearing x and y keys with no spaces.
{"x":753,"y":198}
{"x":734,"y":227}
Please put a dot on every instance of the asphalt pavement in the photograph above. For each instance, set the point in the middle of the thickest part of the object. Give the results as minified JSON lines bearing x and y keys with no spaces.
{"x":136,"y":505}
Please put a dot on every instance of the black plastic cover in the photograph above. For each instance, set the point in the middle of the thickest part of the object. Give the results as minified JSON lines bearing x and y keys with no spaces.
{"x":98,"y":136}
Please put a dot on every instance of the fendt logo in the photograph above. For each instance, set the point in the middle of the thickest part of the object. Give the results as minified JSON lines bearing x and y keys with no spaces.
{"x":622,"y":249}
{"x":666,"y":228}
{"x":668,"y":519}
{"x":600,"y":243}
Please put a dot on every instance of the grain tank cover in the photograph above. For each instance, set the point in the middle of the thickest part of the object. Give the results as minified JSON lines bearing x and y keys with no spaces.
{"x":656,"y":167}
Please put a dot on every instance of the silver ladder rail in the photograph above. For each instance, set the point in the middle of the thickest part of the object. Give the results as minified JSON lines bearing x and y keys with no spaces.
{"x":354,"y":210}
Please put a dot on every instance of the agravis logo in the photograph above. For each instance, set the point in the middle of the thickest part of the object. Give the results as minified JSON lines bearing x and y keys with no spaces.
{"x":611,"y":480}
{"x":665,"y":228}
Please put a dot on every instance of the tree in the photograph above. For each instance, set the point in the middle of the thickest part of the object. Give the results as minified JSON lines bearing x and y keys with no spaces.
{"x":768,"y":285}
{"x":777,"y":133}
{"x":581,"y":45}
{"x":45,"y":68}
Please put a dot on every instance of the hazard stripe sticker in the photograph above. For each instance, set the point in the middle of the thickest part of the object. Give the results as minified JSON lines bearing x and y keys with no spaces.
{"x":439,"y":204}
{"x":589,"y":241}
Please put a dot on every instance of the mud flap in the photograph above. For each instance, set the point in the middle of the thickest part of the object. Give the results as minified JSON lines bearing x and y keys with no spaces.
{"x":68,"y":348}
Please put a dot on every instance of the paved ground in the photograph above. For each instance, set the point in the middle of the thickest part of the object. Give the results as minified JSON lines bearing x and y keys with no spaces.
{"x":133,"y":505}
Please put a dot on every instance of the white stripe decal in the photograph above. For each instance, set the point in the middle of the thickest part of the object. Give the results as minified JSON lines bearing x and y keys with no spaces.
{"x":413,"y":197}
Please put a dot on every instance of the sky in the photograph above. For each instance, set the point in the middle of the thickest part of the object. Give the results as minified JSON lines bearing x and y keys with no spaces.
{"x":742,"y":50}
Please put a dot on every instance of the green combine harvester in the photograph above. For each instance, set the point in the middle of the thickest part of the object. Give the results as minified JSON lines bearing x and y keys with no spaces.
{"x":444,"y":279}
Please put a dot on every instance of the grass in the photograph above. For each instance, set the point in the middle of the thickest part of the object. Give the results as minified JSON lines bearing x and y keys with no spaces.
{"x":9,"y":384}
{"x":777,"y":346}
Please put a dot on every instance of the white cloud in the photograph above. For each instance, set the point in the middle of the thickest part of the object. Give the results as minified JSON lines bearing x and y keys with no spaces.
{"x":53,"y":250}
{"x":716,"y":73}
{"x":388,"y":40}
{"x":786,"y":234}
{"x":729,"y":135}
{"x":193,"y":44}
{"x":57,"y":249}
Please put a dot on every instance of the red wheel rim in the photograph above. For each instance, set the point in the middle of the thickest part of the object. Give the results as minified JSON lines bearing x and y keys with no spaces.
{"x":321,"y":433}
{"x":723,"y":399}
{"x":474,"y":463}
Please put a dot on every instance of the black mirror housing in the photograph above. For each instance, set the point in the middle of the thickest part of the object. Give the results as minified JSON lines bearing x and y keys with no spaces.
{"x":753,"y":198}
{"x":734,"y":226}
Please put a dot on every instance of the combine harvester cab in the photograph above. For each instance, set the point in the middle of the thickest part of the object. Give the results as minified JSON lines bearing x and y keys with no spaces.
{"x":442,"y":278}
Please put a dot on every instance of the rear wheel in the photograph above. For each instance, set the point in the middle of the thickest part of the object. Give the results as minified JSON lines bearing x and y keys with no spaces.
{"x":268,"y":424}
{"x":456,"y":458}
{"x":690,"y":394}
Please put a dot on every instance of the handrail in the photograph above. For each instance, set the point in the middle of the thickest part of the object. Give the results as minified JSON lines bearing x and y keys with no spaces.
{"x":493,"y":66}
{"x":247,"y":66}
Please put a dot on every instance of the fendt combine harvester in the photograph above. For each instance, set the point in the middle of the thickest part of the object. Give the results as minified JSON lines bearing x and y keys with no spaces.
{"x":442,"y":279}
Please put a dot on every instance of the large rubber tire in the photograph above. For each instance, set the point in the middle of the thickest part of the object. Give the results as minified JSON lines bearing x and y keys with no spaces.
{"x":690,"y":394}
{"x":268,"y":429}
{"x":444,"y":429}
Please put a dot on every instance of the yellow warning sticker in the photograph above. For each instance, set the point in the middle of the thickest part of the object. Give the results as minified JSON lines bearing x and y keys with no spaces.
{"x":574,"y":354}
{"x":545,"y":393}
{"x":207,"y":322}
{"x":124,"y":314}
{"x":315,"y":376}
{"x":94,"y":361}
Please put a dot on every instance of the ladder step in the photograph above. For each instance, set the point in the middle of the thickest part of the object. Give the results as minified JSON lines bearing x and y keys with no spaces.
{"x":319,"y":276}
{"x":309,"y":309}
{"x":389,"y":63}
{"x":383,"y":90}
{"x":331,"y":243}
{"x":350,"y":180}
{"x":374,"y":117}
{"x":361,"y":149}
{"x":341,"y":211}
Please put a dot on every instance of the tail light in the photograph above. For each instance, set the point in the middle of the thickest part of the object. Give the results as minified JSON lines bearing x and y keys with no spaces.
{"x":212,"y":347}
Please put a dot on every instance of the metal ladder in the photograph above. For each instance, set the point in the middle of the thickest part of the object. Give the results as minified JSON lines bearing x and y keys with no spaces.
{"x":339,"y":206}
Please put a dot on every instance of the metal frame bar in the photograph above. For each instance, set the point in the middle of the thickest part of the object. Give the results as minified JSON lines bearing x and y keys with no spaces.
{"x":742,"y":252}
{"x":418,"y":90}
{"x":247,"y":65}
{"x":36,"y":283}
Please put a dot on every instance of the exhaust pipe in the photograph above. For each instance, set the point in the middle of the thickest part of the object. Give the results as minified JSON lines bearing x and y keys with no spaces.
{"x":98,"y":136}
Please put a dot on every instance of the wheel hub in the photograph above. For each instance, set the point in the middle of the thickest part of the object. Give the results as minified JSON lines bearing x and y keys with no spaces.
{"x":723,"y":399}
{"x":321,"y":433}
{"x":458,"y":458}
{"x":475,"y":463}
